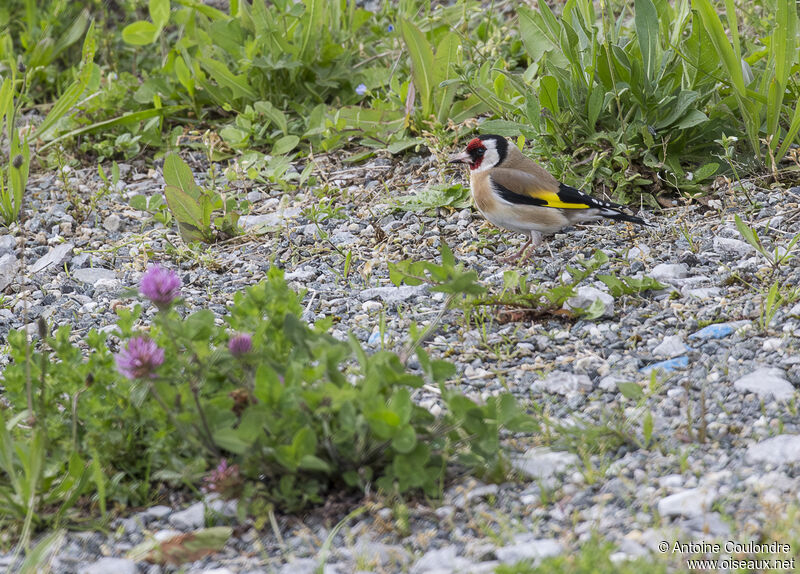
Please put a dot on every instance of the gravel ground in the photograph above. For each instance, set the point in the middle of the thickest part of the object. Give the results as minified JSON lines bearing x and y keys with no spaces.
{"x":724,"y":457}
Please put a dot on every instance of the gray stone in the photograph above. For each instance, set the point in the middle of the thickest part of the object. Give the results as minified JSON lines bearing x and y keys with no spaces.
{"x":227,"y":508}
{"x":300,"y":566}
{"x":534,"y":550}
{"x":55,"y":256}
{"x":733,"y":247}
{"x":766,"y":382}
{"x":218,"y":571}
{"x":9,"y":266}
{"x":585,"y":298}
{"x":112,"y":223}
{"x":343,"y":238}
{"x":110,"y":566}
{"x":93,"y":274}
{"x":393,"y":294}
{"x":563,"y":383}
{"x":702,"y":292}
{"x":158,"y":512}
{"x":189,"y":519}
{"x":671,"y":346}
{"x":781,"y":449}
{"x":268,"y":219}
{"x":543,"y":464}
{"x":641,"y":251}
{"x":710,"y":523}
{"x":692,"y":502}
{"x":303,"y":274}
{"x":7,"y":244}
{"x":442,"y":560}
{"x":669,"y":272}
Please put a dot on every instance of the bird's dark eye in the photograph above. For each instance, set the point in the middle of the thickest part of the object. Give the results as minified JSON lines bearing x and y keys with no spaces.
{"x":480,"y":151}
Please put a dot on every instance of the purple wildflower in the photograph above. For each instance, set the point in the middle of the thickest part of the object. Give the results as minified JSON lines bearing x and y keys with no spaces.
{"x":361,"y":89}
{"x":225,"y":480}
{"x":390,"y":28}
{"x":140,"y":358}
{"x":160,"y":285}
{"x":240,"y":344}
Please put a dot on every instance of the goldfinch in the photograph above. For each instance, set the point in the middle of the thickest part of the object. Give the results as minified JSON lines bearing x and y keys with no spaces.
{"x":515,"y":193}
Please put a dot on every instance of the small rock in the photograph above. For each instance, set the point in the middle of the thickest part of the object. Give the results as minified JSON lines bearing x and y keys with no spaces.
{"x":189,"y":519}
{"x":112,"y":223}
{"x":702,"y":292}
{"x":733,"y":247}
{"x":300,"y":566}
{"x":667,"y":366}
{"x":585,"y":297}
{"x":227,"y":508}
{"x":393,"y":294}
{"x":534,"y":550}
{"x":563,"y":383}
{"x":766,"y":383}
{"x":303,"y":274}
{"x":442,"y":560}
{"x":110,"y":566}
{"x":693,"y":502}
{"x":541,"y":463}
{"x":781,"y":449}
{"x":53,"y":257}
{"x":268,"y":219}
{"x":669,"y":272}
{"x":93,"y":274}
{"x":9,"y":266}
{"x":343,"y":238}
{"x":7,"y":244}
{"x":710,"y":523}
{"x":671,"y":346}
{"x":158,"y":512}
{"x":639,"y":252}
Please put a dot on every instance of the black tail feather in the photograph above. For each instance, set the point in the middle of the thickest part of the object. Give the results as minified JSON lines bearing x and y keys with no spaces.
{"x":621,"y":216}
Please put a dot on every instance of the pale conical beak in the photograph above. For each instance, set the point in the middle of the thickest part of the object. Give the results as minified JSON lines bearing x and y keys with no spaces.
{"x":462,"y":157}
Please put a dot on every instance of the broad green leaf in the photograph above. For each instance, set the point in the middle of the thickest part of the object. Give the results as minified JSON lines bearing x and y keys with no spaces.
{"x":275,"y":115}
{"x":159,"y":12}
{"x":314,"y":463}
{"x":313,"y":26}
{"x":548,"y":94}
{"x":630,"y":391}
{"x":405,"y":440}
{"x":187,"y":212}
{"x":693,"y":118}
{"x":177,"y":173}
{"x":422,"y":65}
{"x":646,"y":21}
{"x":705,"y":171}
{"x":229,"y":439}
{"x":285,"y":144}
{"x":224,"y":77}
{"x":403,"y":144}
{"x":140,"y":33}
{"x":505,"y":128}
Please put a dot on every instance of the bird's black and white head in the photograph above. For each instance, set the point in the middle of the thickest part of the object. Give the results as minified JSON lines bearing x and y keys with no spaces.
{"x":483,"y":152}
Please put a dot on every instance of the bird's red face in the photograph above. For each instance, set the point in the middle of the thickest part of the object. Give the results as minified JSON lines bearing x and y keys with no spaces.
{"x":472,"y":156}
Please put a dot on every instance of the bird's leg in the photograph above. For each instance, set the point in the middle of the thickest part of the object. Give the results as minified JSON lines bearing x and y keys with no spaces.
{"x":534,"y":242}
{"x":512,"y":258}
